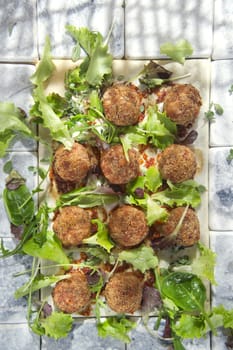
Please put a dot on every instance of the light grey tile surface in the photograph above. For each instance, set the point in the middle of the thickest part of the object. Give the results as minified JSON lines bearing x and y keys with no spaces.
{"x":220,"y":189}
{"x":151,"y":23}
{"x":221,"y":129}
{"x":18,"y":34}
{"x":98,"y":15}
{"x":222,"y":243}
{"x":21,"y":161}
{"x":83,"y":337}
{"x":18,"y":337}
{"x":15,"y":87}
{"x":223,"y":29}
{"x":11,"y":310}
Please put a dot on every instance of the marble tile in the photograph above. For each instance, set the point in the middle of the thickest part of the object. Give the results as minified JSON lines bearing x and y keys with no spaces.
{"x":220,"y":189}
{"x":150,"y":23}
{"x":21,"y":161}
{"x":16,"y":87}
{"x":221,"y":129}
{"x":141,"y":339}
{"x":18,"y":337}
{"x":223,"y":29}
{"x":11,"y":310}
{"x":222,"y":243}
{"x":83,"y":337}
{"x":18,"y":32}
{"x":97,"y":15}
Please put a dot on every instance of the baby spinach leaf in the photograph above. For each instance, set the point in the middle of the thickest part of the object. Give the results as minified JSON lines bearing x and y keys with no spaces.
{"x":19,"y":204}
{"x":185,"y":289}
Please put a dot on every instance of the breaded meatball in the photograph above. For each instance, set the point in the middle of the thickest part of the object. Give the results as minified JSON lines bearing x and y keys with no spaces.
{"x":123,"y":292}
{"x":122,"y":104}
{"x":72,"y":165}
{"x":72,"y":224}
{"x":189,"y":232}
{"x":72,"y":294}
{"x":182,"y":104}
{"x":115,"y":166}
{"x":177,"y":163}
{"x":127,"y":226}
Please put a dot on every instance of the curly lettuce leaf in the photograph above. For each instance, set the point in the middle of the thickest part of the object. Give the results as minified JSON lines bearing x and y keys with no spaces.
{"x":177,"y":52}
{"x":227,"y":316}
{"x":142,"y":258}
{"x":58,"y":129}
{"x":57,"y":325}
{"x":116,"y":327}
{"x":45,"y":67}
{"x":98,"y":62}
{"x":185,"y":193}
{"x":11,"y":123}
{"x":190,"y":326}
{"x":101,"y":237}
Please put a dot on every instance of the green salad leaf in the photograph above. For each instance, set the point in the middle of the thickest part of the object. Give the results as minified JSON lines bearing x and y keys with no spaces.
{"x":116,"y":327}
{"x":185,"y":289}
{"x":190,"y":326}
{"x":38,"y":283}
{"x":51,"y":120}
{"x":142,"y":258}
{"x":51,"y":249}
{"x":184,"y":193}
{"x":11,"y":123}
{"x":46,"y":66}
{"x":101,"y":237}
{"x":177,"y":52}
{"x":98,"y":63}
{"x":18,"y":202}
{"x":57,"y":325}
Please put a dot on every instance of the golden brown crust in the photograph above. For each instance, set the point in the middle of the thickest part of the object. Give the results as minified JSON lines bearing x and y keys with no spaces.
{"x":72,"y":224}
{"x":127,"y":226}
{"x":72,"y":294}
{"x":177,"y":163}
{"x":189,"y":232}
{"x":115,"y":166}
{"x":182,"y":104}
{"x":123,"y":292}
{"x":122,"y":104}
{"x":72,"y":165}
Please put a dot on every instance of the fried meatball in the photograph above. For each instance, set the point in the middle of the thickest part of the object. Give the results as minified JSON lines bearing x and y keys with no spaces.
{"x":72,"y":294}
{"x":72,"y":224}
{"x":115,"y":166}
{"x":189,"y":232}
{"x":72,"y":165}
{"x":182,"y":104}
{"x":123,"y":292}
{"x":127,"y":226}
{"x":177,"y":163}
{"x":122,"y":104}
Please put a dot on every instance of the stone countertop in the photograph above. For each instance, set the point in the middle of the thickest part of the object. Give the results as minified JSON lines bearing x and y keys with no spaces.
{"x":139,"y":27}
